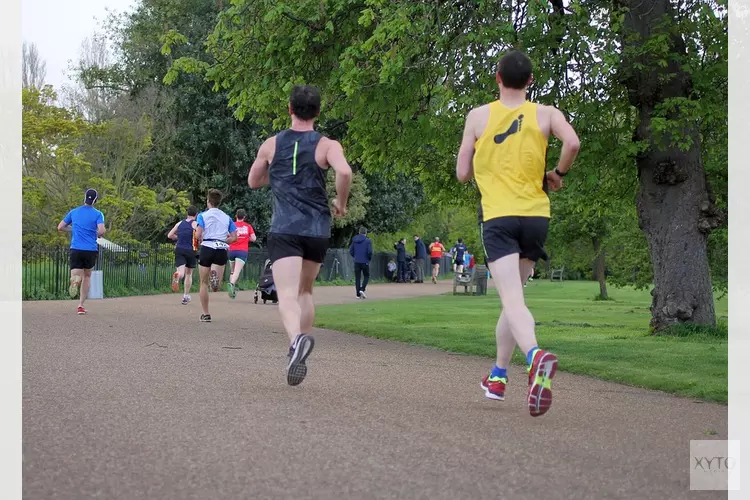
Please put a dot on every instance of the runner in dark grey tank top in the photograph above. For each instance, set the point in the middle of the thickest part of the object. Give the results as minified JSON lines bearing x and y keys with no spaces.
{"x":295,"y":163}
{"x":298,"y":184}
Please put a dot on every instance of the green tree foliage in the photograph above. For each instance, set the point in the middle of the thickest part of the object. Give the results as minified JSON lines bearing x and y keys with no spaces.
{"x":400,"y":76}
{"x":64,"y":155}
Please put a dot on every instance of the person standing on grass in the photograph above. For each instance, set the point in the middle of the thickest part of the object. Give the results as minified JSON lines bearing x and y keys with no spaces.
{"x":184,"y":253}
{"x":215,"y":231}
{"x":361,"y":251}
{"x":504,"y":148}
{"x":295,"y":163}
{"x":239,"y":251}
{"x":437,"y":250}
{"x":420,"y":255}
{"x":86,"y":224}
{"x":400,"y":248}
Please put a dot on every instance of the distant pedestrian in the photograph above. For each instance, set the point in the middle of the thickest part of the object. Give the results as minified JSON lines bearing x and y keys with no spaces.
{"x":361,"y":251}
{"x":420,"y":255}
{"x":401,"y":259}
{"x":86,"y":224}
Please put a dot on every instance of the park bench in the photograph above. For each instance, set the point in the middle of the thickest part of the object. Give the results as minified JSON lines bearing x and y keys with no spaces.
{"x":557,"y":274}
{"x":474,"y":282}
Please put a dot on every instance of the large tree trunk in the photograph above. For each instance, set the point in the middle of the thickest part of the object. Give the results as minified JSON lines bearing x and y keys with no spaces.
{"x":600,"y":268}
{"x":675,"y":210}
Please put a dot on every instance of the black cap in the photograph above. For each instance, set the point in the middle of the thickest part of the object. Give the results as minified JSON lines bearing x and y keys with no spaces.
{"x":91,"y":196}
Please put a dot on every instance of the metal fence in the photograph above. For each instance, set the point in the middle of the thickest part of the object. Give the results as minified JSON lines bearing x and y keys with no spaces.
{"x":147,"y":269}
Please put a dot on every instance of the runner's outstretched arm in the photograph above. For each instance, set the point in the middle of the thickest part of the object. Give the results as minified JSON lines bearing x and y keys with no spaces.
{"x":561,"y":129}
{"x":336,"y":160}
{"x":258,"y":175}
{"x":464,"y":163}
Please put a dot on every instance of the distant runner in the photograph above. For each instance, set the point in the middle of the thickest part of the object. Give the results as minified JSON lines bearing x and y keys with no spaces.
{"x":458,"y":251}
{"x":239,"y":250}
{"x":504,"y":148}
{"x":86,"y":224}
{"x":436,"y":253}
{"x":185,"y":259}
{"x":215,"y":231}
{"x":295,"y":163}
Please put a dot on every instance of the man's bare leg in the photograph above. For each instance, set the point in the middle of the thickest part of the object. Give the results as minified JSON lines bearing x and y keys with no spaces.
{"x":85,"y":285}
{"x":205,"y":275}
{"x":506,"y":275}
{"x":188,"y":283}
{"x":286,"y":275}
{"x":76,"y":278}
{"x":506,"y":344}
{"x":310,"y":271}
{"x":294,"y":288}
{"x":509,"y":274}
{"x":237,"y":266}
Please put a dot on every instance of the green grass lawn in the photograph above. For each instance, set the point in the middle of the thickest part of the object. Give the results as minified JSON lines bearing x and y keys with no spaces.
{"x":605,"y":339}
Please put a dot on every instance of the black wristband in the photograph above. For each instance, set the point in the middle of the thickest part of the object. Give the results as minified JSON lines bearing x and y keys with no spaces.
{"x":561,"y":174}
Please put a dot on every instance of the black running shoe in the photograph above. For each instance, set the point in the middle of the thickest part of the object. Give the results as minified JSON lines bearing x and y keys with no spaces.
{"x":296,"y":369}
{"x":205,"y":318}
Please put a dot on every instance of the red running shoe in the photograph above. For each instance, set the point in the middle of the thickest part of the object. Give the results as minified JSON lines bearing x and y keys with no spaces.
{"x":541,"y":371}
{"x":494,"y":388}
{"x":81,"y":310}
{"x":176,"y":282}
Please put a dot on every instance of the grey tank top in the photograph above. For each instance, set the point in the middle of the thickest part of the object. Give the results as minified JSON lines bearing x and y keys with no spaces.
{"x":298,"y":185}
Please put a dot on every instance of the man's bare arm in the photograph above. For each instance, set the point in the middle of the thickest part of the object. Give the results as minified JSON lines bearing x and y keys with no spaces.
{"x":232,"y":237}
{"x":465,"y":161}
{"x":337,"y":161}
{"x":173,"y":233}
{"x":62,"y":226}
{"x":560,"y":128}
{"x":258,"y":175}
{"x":100,"y":230}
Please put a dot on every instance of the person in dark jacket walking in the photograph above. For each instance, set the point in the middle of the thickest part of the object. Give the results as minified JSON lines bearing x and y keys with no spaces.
{"x":401,"y":259}
{"x":420,"y":255}
{"x":361,"y":250}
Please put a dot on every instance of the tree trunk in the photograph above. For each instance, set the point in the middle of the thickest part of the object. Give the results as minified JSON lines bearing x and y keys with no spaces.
{"x":675,"y":210}
{"x":600,"y":268}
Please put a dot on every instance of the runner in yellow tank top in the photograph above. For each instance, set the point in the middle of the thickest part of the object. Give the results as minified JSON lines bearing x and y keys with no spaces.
{"x":504,"y":148}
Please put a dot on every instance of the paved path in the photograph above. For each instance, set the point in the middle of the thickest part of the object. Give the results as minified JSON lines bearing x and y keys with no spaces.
{"x":138,"y":400}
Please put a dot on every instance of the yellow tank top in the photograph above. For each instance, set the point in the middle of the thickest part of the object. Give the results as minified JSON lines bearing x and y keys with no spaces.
{"x":510,"y":161}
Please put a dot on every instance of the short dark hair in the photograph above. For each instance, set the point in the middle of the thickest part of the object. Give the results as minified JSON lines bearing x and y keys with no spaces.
{"x":362,"y":230}
{"x":305,"y":102}
{"x":214,"y":197}
{"x":460,"y":240}
{"x":241,"y":214}
{"x":192,"y":211}
{"x":514,"y":69}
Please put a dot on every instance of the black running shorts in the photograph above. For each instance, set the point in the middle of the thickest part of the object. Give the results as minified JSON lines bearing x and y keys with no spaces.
{"x":185,"y":257}
{"x":288,"y":245}
{"x":83,"y":259}
{"x":213,"y":256}
{"x":525,"y":236}
{"x":434,"y":260}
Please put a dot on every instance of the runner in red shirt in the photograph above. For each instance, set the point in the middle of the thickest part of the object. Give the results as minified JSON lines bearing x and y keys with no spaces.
{"x":238,"y":251}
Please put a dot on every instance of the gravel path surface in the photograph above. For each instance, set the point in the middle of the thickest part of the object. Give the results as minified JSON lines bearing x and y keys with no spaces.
{"x":139,"y":400}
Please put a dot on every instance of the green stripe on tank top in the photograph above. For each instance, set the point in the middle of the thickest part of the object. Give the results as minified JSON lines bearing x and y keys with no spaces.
{"x":294,"y":160}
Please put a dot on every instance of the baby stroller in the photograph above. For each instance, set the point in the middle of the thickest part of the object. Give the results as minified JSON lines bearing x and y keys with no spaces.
{"x":411,"y":269}
{"x":266,"y":289}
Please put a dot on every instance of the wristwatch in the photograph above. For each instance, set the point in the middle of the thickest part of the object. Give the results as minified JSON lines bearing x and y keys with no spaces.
{"x":561,"y":174}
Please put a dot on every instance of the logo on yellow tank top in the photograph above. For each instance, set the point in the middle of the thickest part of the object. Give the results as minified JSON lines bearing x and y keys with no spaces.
{"x":514,"y":127}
